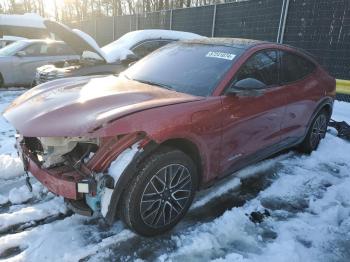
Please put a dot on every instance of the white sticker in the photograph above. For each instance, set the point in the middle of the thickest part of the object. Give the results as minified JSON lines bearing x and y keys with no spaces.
{"x":221,"y":55}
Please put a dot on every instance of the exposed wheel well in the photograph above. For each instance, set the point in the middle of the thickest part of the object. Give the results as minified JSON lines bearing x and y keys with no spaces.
{"x":189,"y":149}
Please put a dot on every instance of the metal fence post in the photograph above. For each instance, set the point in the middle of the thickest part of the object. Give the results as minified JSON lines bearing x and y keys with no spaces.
{"x":113,"y":28}
{"x":283,"y":20}
{"x":171,"y":20}
{"x":137,"y":22}
{"x":214,"y":21}
{"x":95,"y":28}
{"x":130,"y":22}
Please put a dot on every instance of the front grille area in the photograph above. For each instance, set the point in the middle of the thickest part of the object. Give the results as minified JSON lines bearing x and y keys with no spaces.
{"x":43,"y":77}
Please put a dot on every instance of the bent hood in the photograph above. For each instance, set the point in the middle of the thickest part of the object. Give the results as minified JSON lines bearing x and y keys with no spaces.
{"x":77,"y":106}
{"x":76,"y":39}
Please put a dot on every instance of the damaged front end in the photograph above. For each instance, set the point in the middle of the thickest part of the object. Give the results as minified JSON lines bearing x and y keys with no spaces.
{"x":76,"y":167}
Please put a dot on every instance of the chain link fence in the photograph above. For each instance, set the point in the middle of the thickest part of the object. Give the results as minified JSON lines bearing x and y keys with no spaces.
{"x":321,"y":27}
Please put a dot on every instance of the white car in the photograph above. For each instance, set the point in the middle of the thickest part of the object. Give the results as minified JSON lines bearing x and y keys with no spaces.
{"x":19,"y":60}
{"x":110,"y":59}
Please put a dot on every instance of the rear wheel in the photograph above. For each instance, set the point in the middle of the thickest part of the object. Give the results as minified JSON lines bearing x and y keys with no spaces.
{"x":316,"y":132}
{"x":161,"y":193}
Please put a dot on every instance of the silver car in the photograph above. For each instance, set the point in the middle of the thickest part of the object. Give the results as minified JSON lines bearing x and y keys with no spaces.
{"x":19,"y":61}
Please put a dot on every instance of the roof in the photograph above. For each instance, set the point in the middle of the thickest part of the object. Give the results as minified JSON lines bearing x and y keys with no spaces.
{"x":234,"y":42}
{"x":26,"y":20}
{"x":120,"y":48}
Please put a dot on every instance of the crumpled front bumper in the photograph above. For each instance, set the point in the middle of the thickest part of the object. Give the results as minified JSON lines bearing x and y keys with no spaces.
{"x":59,"y":180}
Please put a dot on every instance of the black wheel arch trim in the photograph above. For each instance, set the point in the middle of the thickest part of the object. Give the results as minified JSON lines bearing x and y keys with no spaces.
{"x":326,"y":101}
{"x":125,"y":178}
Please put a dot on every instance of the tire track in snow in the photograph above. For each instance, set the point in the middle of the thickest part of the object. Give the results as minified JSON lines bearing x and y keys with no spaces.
{"x":70,"y":239}
{"x":30,"y":216}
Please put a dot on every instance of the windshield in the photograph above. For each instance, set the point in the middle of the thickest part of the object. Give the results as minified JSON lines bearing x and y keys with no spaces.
{"x":189,"y":68}
{"x":13,"y":48}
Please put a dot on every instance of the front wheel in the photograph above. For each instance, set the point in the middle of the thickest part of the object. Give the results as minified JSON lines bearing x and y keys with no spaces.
{"x":316,"y":132}
{"x":160,"y":194}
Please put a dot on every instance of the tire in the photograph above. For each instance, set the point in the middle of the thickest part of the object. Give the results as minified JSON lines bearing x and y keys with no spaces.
{"x":316,"y":133}
{"x":160,"y":194}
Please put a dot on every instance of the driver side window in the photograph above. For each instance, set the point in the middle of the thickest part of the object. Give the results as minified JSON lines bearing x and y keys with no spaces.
{"x":36,"y":50}
{"x":262,"y":66}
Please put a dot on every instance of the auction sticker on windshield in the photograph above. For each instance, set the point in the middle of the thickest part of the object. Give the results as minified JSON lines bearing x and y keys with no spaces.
{"x":221,"y":55}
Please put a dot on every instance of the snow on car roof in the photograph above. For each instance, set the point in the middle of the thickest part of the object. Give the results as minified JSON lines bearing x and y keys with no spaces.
{"x":26,"y":20}
{"x":120,"y":48}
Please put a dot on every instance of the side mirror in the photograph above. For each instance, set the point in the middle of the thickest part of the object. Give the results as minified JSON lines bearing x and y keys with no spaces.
{"x":130,"y":58}
{"x":20,"y":53}
{"x":249,"y":84}
{"x":247,"y":87}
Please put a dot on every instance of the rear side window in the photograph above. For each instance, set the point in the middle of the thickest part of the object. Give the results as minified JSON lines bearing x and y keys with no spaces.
{"x":145,"y":48}
{"x":63,"y":49}
{"x":294,"y":67}
{"x":262,"y":66}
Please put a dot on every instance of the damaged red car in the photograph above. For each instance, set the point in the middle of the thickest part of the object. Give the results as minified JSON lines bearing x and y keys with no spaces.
{"x":140,"y":145}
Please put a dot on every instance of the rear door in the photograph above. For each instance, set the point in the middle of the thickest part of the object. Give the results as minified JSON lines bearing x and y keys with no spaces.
{"x":251,"y":122}
{"x":302,"y":93}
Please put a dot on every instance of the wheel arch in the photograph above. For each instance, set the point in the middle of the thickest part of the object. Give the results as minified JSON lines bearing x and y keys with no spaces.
{"x":185,"y":145}
{"x":190,"y":149}
{"x":324,"y":104}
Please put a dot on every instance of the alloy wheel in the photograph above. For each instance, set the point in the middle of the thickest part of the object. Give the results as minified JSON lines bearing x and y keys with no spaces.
{"x":318,"y":130}
{"x":166,"y":195}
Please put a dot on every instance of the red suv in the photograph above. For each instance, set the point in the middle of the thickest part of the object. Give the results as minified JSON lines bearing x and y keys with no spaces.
{"x":140,"y":145}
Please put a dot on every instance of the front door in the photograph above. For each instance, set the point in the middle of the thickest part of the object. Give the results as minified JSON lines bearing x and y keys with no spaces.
{"x":252,"y":118}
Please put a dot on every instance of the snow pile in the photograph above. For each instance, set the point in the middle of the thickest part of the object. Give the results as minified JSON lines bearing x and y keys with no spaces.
{"x":10,"y":167}
{"x":22,"y":194}
{"x":70,"y":239}
{"x":3,"y":200}
{"x":120,"y":48}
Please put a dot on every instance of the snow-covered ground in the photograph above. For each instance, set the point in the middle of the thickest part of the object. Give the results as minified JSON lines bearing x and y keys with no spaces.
{"x":308,"y":199}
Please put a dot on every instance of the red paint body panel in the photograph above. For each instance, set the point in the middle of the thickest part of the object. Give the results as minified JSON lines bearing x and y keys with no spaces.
{"x":223,"y":128}
{"x":250,"y":124}
{"x":76,"y":106}
{"x":59,"y":181}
